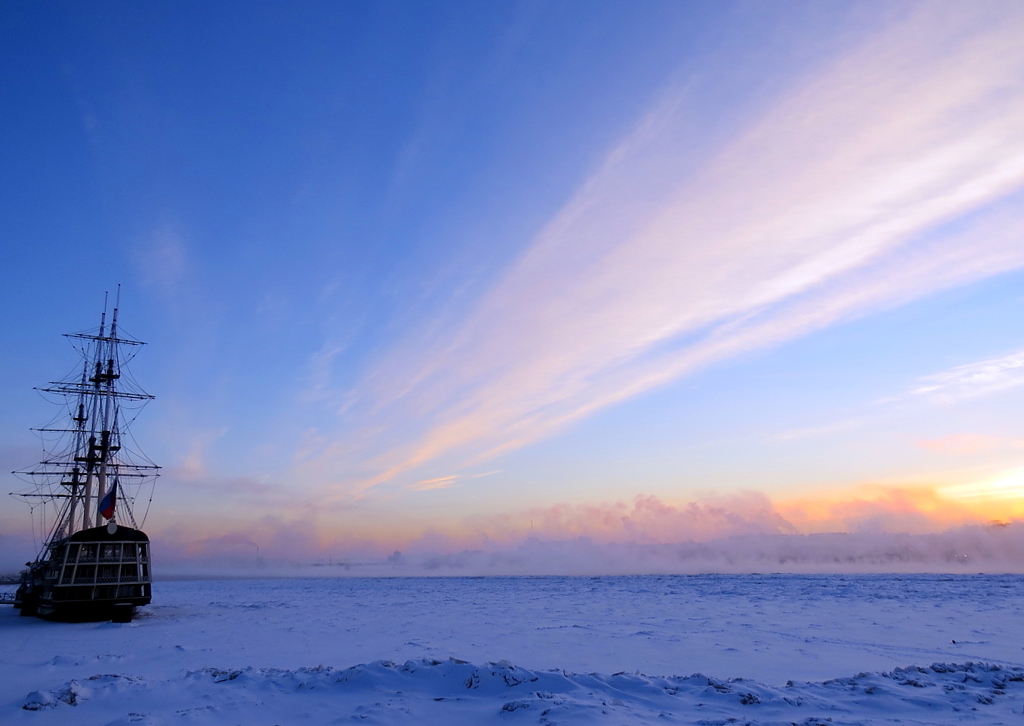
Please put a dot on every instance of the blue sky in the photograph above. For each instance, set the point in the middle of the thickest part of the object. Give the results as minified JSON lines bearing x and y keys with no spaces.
{"x":417,"y":270}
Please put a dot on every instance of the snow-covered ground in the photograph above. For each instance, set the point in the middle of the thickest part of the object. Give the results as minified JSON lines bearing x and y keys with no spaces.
{"x":783,"y":649}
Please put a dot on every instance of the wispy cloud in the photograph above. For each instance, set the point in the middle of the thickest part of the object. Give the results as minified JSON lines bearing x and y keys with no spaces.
{"x":838,"y":201}
{"x":968,"y":444}
{"x":193,"y":466}
{"x":441,"y":482}
{"x":816,"y":431}
{"x":163,"y":260}
{"x":974,"y":379}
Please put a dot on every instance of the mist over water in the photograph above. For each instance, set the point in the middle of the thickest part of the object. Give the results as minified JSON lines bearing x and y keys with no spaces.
{"x":964,"y":550}
{"x":677,"y":542}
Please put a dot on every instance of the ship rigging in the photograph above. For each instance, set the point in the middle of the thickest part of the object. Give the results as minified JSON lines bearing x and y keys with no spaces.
{"x":95,"y":560}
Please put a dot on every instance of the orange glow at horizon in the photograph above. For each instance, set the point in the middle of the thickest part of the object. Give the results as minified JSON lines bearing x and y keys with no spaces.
{"x":647,"y":519}
{"x":912,"y":509}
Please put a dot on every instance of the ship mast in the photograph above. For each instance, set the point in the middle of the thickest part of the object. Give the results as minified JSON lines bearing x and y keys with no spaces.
{"x":89,"y":458}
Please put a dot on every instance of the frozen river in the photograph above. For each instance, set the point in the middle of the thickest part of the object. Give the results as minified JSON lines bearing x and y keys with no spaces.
{"x":768,"y":630}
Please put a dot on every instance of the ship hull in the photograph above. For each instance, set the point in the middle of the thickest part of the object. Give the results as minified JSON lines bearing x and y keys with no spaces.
{"x":95,"y":574}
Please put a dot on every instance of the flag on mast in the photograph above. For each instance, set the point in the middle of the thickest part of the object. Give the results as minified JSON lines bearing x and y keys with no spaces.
{"x":108,"y":502}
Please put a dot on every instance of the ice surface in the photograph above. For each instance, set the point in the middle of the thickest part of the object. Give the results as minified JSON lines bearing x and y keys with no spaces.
{"x":680,"y":649}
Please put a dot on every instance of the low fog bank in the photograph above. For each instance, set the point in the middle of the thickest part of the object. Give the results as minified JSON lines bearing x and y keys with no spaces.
{"x":995,"y":548}
{"x":964,"y":550}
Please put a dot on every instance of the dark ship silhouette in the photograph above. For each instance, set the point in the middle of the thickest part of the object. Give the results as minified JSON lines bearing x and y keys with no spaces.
{"x":95,"y":563}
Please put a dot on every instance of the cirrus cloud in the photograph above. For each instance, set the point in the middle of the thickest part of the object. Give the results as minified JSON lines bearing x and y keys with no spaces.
{"x":886,"y":176}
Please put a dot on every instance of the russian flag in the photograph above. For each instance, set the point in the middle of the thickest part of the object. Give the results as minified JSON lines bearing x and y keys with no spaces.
{"x":107,"y":503}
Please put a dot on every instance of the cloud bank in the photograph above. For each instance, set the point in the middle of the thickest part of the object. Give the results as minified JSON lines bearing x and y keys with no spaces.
{"x":963,"y":550}
{"x":868,"y":529}
{"x":967,"y":550}
{"x":882,"y":178}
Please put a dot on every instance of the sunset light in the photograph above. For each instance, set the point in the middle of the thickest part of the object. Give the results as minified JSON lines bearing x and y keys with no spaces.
{"x":448,"y":277}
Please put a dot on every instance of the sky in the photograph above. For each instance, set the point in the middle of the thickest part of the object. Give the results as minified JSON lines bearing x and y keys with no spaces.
{"x":438,"y":277}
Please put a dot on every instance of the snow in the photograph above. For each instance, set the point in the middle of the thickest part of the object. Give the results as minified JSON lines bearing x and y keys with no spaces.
{"x":763,"y":649}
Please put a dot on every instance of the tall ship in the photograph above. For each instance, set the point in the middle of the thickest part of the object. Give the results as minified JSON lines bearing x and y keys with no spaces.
{"x":95,"y":559}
